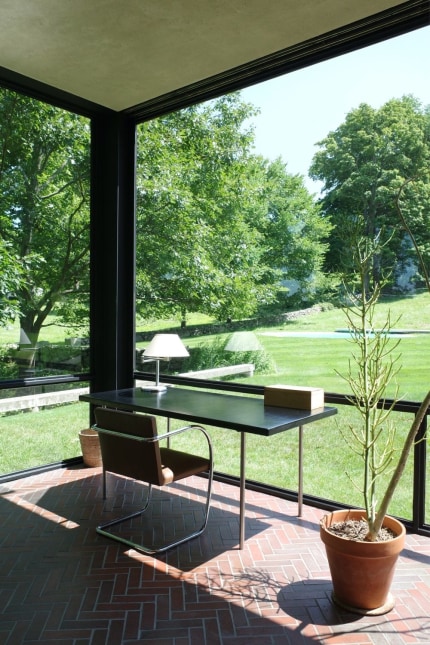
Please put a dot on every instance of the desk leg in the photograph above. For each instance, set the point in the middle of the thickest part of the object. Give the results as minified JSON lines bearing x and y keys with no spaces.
{"x":242,"y":490}
{"x":300,"y":491}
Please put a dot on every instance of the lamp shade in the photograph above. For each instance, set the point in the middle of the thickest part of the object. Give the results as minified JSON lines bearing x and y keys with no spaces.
{"x":243,"y":341}
{"x":165,"y":346}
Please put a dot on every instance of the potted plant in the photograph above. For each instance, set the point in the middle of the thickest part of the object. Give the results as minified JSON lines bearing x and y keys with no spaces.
{"x":362,"y":546}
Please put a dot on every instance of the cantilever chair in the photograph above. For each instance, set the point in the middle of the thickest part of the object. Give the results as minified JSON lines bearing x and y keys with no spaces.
{"x":131,"y":447}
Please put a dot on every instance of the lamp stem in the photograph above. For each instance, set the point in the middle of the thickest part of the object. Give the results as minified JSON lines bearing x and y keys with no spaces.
{"x":157,"y":372}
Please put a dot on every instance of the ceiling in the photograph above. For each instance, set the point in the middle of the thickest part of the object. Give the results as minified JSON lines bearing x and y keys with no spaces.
{"x":120,"y":53}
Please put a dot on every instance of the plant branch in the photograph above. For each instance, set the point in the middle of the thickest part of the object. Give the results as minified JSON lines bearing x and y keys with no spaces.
{"x":399,"y":469}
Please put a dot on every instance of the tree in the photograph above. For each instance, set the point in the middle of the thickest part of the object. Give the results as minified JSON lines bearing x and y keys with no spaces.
{"x":364,"y":163}
{"x":205,"y":224}
{"x":10,"y":283}
{"x":196,"y":183}
{"x":44,"y":205}
{"x":295,"y":233}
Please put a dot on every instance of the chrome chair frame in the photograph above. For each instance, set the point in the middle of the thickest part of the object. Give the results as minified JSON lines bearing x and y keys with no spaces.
{"x":102,"y":528}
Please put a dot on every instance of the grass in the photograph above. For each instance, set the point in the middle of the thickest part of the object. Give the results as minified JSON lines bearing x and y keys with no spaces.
{"x":169,"y":323}
{"x":329,"y":466}
{"x":317,"y":361}
{"x":32,"y":439}
{"x":52,"y":333}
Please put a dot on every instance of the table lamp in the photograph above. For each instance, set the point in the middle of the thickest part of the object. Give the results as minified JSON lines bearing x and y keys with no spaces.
{"x":162,"y":347}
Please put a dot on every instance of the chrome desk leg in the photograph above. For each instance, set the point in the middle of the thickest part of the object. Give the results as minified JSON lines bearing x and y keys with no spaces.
{"x":300,"y":491}
{"x":242,"y":490}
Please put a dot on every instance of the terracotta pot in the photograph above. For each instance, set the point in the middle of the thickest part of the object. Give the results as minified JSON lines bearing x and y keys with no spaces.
{"x":362,"y":572}
{"x":90,"y":446}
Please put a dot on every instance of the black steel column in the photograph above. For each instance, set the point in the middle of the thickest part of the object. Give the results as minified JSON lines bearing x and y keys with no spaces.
{"x":112,"y":263}
{"x":419,"y":483}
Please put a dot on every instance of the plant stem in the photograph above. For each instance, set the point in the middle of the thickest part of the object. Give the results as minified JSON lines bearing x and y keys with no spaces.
{"x":398,"y":471}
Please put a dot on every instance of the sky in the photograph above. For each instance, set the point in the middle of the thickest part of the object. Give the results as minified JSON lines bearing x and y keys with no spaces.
{"x":301,"y":108}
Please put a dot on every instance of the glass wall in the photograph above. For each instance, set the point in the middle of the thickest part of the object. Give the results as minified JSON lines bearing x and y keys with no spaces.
{"x":44,"y":291}
{"x":243,"y":207}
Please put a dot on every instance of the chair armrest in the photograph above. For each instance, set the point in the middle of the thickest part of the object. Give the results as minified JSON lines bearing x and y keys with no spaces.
{"x":172,"y":433}
{"x":115,"y":433}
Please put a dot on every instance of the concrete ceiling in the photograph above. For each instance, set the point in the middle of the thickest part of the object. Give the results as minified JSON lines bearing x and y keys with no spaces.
{"x":120,"y":53}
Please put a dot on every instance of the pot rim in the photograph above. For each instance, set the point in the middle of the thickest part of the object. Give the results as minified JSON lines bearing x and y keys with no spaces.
{"x":370,"y":549}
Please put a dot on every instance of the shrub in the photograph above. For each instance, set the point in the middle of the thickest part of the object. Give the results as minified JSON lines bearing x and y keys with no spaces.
{"x":213,"y":354}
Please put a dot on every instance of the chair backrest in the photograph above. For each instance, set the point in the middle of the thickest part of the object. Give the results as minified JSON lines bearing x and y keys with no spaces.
{"x":124,"y":456}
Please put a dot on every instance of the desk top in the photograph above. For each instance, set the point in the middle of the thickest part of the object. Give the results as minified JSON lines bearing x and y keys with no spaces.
{"x":242,"y":413}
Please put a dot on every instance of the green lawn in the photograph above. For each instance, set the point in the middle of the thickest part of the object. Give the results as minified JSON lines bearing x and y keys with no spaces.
{"x":316,"y":361}
{"x":328,"y":463}
{"x":31,"y":439}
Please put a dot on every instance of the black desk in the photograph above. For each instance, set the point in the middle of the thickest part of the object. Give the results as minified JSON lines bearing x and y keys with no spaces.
{"x":241,"y":413}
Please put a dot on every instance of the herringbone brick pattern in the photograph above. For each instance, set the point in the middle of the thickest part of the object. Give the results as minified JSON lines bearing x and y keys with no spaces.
{"x":63,"y":583}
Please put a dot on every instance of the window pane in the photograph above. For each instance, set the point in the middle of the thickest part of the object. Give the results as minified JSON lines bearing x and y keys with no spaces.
{"x":234,"y":196}
{"x":44,"y":239}
{"x":40,"y":425}
{"x":243,"y":204}
{"x":44,"y":291}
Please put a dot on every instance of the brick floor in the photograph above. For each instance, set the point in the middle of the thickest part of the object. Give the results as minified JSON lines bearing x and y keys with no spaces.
{"x":63,"y":583}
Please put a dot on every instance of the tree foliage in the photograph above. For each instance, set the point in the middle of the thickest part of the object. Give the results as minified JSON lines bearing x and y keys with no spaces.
{"x":217,"y":226}
{"x":44,"y":205}
{"x":295,"y":233}
{"x":364,"y":163}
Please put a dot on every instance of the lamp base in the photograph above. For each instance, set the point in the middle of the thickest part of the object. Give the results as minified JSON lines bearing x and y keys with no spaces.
{"x":153,"y":388}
